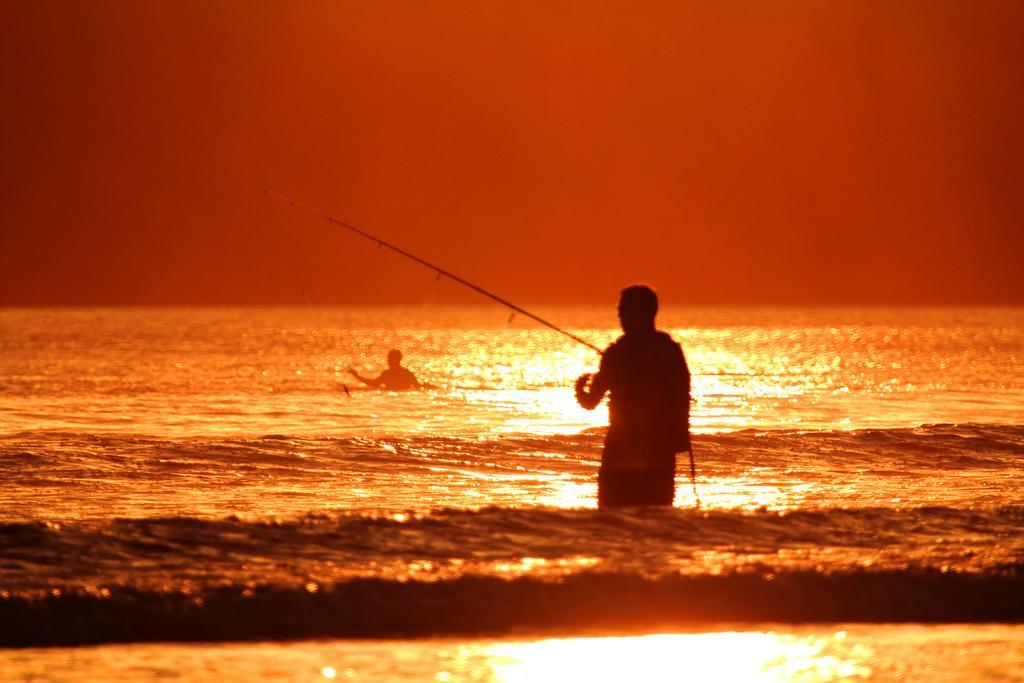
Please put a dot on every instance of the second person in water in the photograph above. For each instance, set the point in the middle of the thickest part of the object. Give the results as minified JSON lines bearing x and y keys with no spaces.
{"x":395,"y":378}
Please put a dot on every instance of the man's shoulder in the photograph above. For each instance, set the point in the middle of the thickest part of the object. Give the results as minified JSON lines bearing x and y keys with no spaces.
{"x":616,"y":348}
{"x":665,"y":339}
{"x":617,"y":344}
{"x":658,"y":338}
{"x":672,"y":350}
{"x":627,"y":347}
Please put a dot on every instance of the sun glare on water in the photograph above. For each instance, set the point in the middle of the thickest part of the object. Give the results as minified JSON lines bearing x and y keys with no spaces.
{"x":726,"y":656}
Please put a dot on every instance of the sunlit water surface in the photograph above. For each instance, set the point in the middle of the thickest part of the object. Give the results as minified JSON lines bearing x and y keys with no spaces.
{"x":185,"y":450}
{"x":776,"y":653}
{"x":140,"y":412}
{"x":245,"y":372}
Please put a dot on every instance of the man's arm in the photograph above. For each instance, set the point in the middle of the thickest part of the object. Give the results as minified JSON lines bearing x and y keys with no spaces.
{"x":590,"y":396}
{"x":374,"y":383}
{"x":683,"y":404}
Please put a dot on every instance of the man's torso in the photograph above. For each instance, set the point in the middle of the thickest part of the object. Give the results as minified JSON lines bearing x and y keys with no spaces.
{"x":649,"y":385}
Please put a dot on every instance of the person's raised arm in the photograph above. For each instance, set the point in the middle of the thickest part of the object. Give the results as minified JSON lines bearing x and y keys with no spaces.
{"x":374,"y":383}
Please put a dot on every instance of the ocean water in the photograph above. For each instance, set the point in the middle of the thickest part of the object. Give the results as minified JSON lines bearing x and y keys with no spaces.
{"x":216,"y":475}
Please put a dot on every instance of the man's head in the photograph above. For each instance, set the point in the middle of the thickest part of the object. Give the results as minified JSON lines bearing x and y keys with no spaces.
{"x":638,"y":304}
{"x":394,"y":358}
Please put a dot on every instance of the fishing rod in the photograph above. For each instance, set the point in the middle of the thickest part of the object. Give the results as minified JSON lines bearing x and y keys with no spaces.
{"x":441,"y":272}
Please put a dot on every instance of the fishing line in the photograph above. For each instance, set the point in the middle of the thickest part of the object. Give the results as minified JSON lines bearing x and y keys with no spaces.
{"x":310,"y":318}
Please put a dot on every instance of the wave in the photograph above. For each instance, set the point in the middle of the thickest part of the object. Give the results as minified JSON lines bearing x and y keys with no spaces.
{"x":61,"y":476}
{"x":935,"y":445}
{"x":440,"y":545}
{"x":939,"y":445}
{"x":476,"y":606}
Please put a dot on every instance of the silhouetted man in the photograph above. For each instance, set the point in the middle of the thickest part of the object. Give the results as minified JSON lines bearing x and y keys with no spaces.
{"x":395,"y":378}
{"x":649,"y":410}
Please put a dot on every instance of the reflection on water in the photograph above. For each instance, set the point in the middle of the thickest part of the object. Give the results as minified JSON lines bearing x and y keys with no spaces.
{"x":728,"y":656}
{"x":968,"y":654}
{"x":567,"y":492}
{"x":755,"y":489}
{"x":186,"y":372}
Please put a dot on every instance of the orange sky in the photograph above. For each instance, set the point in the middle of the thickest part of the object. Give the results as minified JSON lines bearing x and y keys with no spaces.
{"x":726,"y":152}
